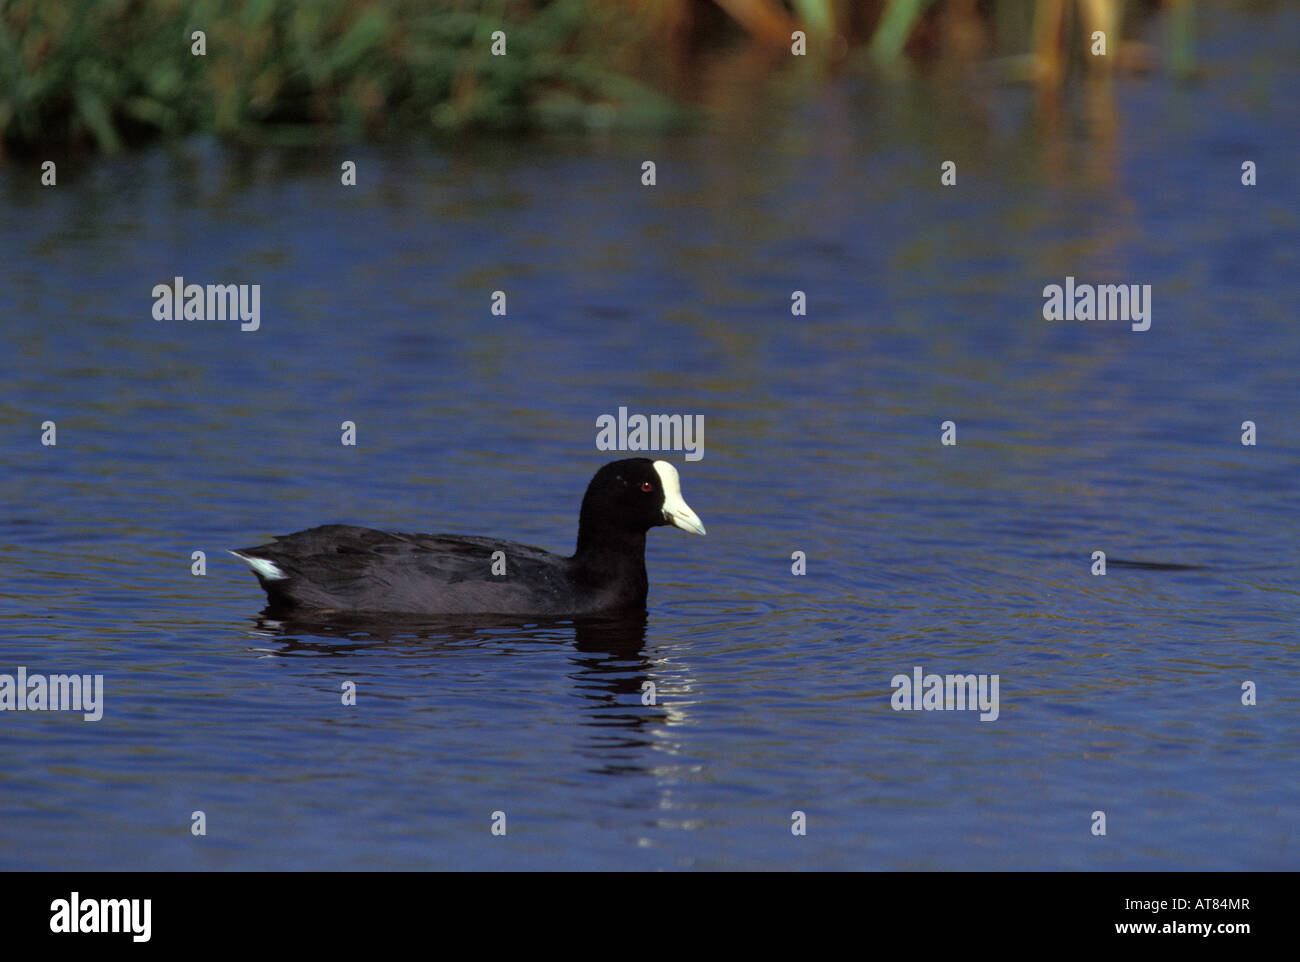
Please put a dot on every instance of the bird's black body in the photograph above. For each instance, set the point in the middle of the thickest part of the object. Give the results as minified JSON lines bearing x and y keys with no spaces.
{"x":345,"y":568}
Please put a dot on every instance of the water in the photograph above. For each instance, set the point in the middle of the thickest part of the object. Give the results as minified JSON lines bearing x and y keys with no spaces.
{"x":1119,"y":694}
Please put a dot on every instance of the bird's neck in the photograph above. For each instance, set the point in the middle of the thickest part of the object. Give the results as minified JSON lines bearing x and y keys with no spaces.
{"x":607,"y":555}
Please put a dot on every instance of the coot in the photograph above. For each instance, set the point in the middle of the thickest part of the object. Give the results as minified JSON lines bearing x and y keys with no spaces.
{"x":339,"y":567}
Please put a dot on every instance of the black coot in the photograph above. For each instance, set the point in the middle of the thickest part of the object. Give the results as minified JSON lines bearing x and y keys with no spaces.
{"x":339,"y":567}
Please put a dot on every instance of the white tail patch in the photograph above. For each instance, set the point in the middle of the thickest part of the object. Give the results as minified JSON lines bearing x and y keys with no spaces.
{"x":267,"y":569}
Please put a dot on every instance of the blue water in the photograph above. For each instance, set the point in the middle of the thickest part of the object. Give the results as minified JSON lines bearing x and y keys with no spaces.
{"x":1119,"y":693}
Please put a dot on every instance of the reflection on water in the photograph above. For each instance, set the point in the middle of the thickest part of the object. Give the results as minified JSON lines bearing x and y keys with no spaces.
{"x":770,"y":690}
{"x":612,"y":676}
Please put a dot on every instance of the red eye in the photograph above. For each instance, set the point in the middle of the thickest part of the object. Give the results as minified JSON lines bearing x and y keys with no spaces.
{"x":647,"y":486}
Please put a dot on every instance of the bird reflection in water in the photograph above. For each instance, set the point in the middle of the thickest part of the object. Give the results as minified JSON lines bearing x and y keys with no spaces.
{"x":611,"y":673}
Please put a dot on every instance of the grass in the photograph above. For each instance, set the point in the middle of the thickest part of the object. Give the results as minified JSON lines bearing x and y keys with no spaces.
{"x":110,"y":72}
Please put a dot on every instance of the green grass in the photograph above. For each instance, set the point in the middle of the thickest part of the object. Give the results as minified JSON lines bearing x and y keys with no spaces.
{"x":109,"y":72}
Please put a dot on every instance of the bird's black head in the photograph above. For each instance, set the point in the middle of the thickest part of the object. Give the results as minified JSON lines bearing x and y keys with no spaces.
{"x":634,"y":496}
